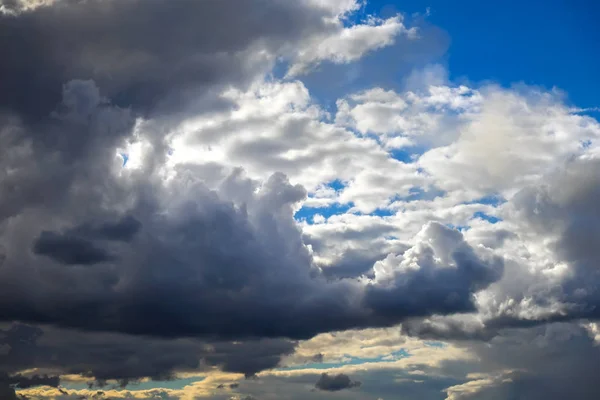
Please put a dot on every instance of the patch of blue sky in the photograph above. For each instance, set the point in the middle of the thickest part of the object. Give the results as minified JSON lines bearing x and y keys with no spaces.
{"x":174,"y":384}
{"x":387,"y":67}
{"x":419,"y":193}
{"x":358,"y":16}
{"x":490,"y":218}
{"x":481,"y":54}
{"x":490,"y":200}
{"x":473,"y":23}
{"x":433,"y":343}
{"x":280,"y":69}
{"x":125,"y":158}
{"x":407,"y":154}
{"x":586,"y":144}
{"x":307,"y":213}
{"x":336,"y":185}
{"x":383,"y":212}
{"x":460,"y":228}
{"x":351,"y":361}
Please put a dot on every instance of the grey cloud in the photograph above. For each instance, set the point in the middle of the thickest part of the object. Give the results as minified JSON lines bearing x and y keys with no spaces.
{"x":69,"y":250}
{"x":52,"y":161}
{"x":122,"y":230}
{"x":101,"y":357}
{"x":148,"y":54}
{"x":7,"y":392}
{"x":353,"y":263}
{"x":450,"y":329}
{"x":222,"y":264}
{"x":334,"y":383}
{"x":212,"y":267}
{"x":552,"y":362}
{"x":8,"y":383}
{"x":167,"y":259}
{"x":449,"y":272}
{"x":24,"y":382}
{"x":536,"y":346}
{"x":563,"y":211}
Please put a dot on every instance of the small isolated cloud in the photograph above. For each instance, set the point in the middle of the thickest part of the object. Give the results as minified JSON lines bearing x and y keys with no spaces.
{"x":334,"y":383}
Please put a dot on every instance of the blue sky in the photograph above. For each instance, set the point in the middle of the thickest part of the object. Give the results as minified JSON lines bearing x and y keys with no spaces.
{"x":549,"y":43}
{"x":538,"y":42}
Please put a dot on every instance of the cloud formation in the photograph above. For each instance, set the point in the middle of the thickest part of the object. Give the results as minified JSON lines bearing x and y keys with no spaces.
{"x":175,"y":202}
{"x":335,"y":383}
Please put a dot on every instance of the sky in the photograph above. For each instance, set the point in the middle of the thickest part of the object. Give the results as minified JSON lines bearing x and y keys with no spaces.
{"x":317,"y":199}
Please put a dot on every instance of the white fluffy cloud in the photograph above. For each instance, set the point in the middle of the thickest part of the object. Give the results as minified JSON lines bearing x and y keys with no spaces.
{"x":349,"y":44}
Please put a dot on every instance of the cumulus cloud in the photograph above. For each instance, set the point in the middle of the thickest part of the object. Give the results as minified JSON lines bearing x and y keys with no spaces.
{"x":349,"y":44}
{"x":440,"y":257}
{"x":238,"y":255}
{"x":168,"y":206}
{"x":171,"y":247}
{"x":334,"y":383}
{"x":552,"y":361}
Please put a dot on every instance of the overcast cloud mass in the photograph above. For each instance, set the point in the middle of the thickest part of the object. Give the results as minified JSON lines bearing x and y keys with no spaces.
{"x":273,"y":199}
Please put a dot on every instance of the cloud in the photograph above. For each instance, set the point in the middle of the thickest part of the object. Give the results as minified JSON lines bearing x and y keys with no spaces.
{"x":349,"y":44}
{"x":440,"y":257}
{"x":8,"y":383}
{"x":153,"y":143}
{"x":69,"y":250}
{"x":551,"y":361}
{"x":122,"y":230}
{"x":101,"y":357}
{"x":335,"y":383}
{"x":240,"y":256}
{"x":124,"y":47}
{"x":185,"y":247}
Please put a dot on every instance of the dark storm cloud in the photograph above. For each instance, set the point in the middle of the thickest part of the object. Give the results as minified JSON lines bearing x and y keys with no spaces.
{"x":24,"y":382}
{"x":8,"y":383}
{"x":227,"y":263}
{"x":126,"y":358}
{"x":553,"y":362}
{"x":334,"y":383}
{"x":122,"y":230}
{"x":143,"y":54}
{"x":214,"y":268}
{"x":69,"y":250}
{"x":55,"y":164}
{"x":169,"y":258}
{"x":353,"y":263}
